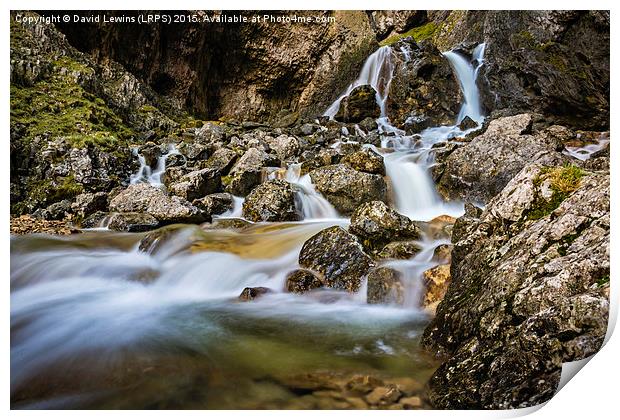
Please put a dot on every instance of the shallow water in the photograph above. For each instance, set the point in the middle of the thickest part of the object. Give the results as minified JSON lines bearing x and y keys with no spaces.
{"x":95,"y":322}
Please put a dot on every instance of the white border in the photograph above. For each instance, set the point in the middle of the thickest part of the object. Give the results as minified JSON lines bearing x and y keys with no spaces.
{"x":591,"y":395}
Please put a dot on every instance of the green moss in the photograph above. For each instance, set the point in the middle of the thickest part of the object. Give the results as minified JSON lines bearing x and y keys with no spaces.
{"x":59,"y":106}
{"x":603,"y":281}
{"x":419,"y":33}
{"x":563,"y":181}
{"x":41,"y":193}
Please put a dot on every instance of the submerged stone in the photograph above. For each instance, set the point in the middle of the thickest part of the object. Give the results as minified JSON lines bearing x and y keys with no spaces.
{"x":251,"y":293}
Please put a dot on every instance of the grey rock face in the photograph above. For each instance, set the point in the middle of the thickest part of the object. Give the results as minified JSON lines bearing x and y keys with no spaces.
{"x":530,"y":287}
{"x":271,"y":201}
{"x":347,"y":188}
{"x":480,"y":169}
{"x":145,"y":198}
{"x":338,"y":257}
{"x":423,"y":87}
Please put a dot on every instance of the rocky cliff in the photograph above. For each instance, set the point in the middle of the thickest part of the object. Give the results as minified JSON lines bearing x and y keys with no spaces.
{"x":529,"y":291}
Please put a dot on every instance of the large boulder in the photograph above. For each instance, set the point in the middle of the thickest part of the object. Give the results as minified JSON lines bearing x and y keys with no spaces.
{"x":86,"y":204}
{"x":481,"y":168}
{"x":197,"y":184}
{"x":247,"y":172}
{"x":145,"y":198}
{"x":347,"y":188}
{"x":376,"y":224}
{"x":423,"y":87}
{"x":365,"y":160}
{"x":361,"y":103}
{"x":215,"y":204}
{"x":271,"y":201}
{"x":338,"y":257}
{"x":222,"y":160}
{"x":285,"y":147}
{"x":529,"y":290}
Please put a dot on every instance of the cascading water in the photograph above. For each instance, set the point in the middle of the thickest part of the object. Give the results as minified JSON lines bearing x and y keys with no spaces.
{"x":95,"y":306}
{"x":91,"y":310}
{"x":408,"y":165}
{"x":467,"y":74}
{"x":312,"y":204}
{"x":152,"y":175}
{"x":377,"y":72}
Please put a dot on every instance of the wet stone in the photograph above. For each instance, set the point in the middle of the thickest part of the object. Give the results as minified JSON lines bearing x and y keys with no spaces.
{"x":251,"y":293}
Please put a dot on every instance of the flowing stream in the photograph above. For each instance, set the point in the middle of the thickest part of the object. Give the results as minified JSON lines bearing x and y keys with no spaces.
{"x":97,"y":322}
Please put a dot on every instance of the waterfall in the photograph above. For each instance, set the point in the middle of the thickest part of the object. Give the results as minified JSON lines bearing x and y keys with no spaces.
{"x":408,"y":166}
{"x":377,"y":72}
{"x":149,"y":175}
{"x":467,"y":74}
{"x":313,"y":205}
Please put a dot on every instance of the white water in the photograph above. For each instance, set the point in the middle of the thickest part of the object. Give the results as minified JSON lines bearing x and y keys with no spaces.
{"x":408,"y":166}
{"x":467,"y":74}
{"x":586,"y":151}
{"x":76,"y":298}
{"x":85,"y":296}
{"x":312,"y":204}
{"x":152,"y":175}
{"x":376,"y":72}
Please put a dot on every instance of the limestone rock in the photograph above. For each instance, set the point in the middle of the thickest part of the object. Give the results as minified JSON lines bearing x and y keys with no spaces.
{"x":338,"y":257}
{"x":197,"y":184}
{"x":365,"y":160}
{"x":132,"y":222}
{"x":376,"y":224}
{"x":385,"y":286}
{"x":301,"y":281}
{"x":481,"y":168}
{"x":271,"y":201}
{"x":145,"y":198}
{"x":215,"y":204}
{"x":347,"y":188}
{"x":528,"y":291}
{"x":361,"y":103}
